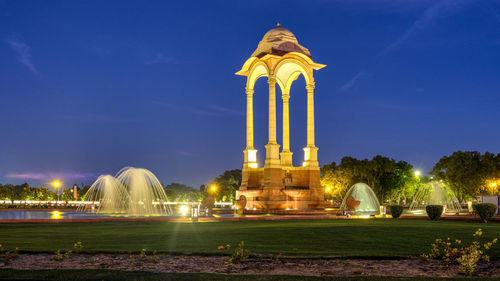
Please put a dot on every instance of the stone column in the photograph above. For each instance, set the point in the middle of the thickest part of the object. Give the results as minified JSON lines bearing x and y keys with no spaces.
{"x":249,"y":118}
{"x":310,"y":151}
{"x":250,"y":154}
{"x":272,"y":110}
{"x":310,"y":114}
{"x":272,"y":147}
{"x":286,"y":155}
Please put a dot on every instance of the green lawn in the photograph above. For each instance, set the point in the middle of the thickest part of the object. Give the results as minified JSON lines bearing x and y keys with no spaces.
{"x":328,"y":238}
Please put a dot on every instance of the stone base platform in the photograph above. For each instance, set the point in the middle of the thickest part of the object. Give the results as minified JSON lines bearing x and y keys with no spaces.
{"x":286,"y":188}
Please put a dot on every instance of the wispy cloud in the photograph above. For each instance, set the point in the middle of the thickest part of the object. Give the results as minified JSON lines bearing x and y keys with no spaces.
{"x":157,"y":58}
{"x":229,"y":111}
{"x":489,"y":8}
{"x":23,"y":53}
{"x":49,"y":176}
{"x":437,"y":9}
{"x":28,"y":176}
{"x":352,"y":81}
{"x":395,"y":6}
{"x":102,"y":118}
{"x":185,"y":153}
{"x":211,"y":110}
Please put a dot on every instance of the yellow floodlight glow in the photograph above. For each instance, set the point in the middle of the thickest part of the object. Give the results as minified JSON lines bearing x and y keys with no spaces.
{"x":418,"y":173}
{"x":213,"y":188}
{"x":253,"y":165}
{"x":493,"y":184}
{"x":184,"y":210}
{"x":55,"y":215}
{"x":252,"y":155}
{"x":56,"y":183}
{"x":328,"y":189}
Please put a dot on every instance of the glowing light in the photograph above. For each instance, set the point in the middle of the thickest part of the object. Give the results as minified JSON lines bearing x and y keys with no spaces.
{"x":253,"y":165}
{"x":252,"y":155}
{"x":213,"y":187}
{"x":184,"y":210}
{"x":493,"y":184}
{"x":418,"y":173}
{"x":364,"y":217}
{"x":56,"y":183}
{"x":55,"y":215}
{"x":328,"y":189}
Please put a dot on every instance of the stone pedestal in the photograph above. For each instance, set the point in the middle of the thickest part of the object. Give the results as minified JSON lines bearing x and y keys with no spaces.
{"x":292,"y":188}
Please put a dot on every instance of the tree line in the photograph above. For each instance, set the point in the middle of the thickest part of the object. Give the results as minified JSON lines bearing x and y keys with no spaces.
{"x":26,"y":192}
{"x":466,"y":173}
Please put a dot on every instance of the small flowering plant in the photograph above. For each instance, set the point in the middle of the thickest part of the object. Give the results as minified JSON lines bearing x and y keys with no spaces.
{"x":7,"y":255}
{"x":78,"y":246}
{"x":238,"y":255}
{"x":467,"y":257}
{"x":222,"y":247}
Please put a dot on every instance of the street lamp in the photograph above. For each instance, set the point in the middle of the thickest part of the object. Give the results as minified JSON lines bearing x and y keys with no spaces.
{"x":418,"y":173}
{"x":213,"y":188}
{"x":56,"y":185}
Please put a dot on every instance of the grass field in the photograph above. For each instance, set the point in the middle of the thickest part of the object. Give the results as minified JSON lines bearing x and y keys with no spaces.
{"x":354,"y":238}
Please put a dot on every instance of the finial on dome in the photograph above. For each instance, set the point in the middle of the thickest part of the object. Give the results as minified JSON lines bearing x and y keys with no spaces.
{"x":279,"y":24}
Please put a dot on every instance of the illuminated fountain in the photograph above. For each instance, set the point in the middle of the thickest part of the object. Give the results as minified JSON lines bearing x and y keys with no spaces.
{"x":361,"y":200}
{"x":133,"y":191}
{"x":110,"y":193}
{"x":435,"y":193}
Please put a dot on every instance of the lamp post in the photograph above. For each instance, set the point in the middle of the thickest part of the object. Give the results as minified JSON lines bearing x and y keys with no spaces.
{"x":56,"y":185}
{"x":213,"y":190}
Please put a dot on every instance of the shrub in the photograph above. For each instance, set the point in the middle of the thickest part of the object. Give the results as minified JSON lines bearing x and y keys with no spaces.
{"x":485,"y":210}
{"x":78,"y":246}
{"x":6,"y":256}
{"x":434,"y":211}
{"x":239,"y":254}
{"x":396,"y":211}
{"x":467,"y":257}
{"x":59,"y":255}
{"x":144,"y":255}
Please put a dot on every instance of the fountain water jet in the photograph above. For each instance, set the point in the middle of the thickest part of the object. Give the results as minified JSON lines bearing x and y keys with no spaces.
{"x":435,"y":193}
{"x":361,"y":200}
{"x":146,"y":193}
{"x":110,"y":193}
{"x":133,"y":191}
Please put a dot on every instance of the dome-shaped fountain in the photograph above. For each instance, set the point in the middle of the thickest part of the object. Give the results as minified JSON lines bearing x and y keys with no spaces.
{"x":361,"y":200}
{"x":435,"y":193}
{"x":110,"y":194}
{"x":133,"y":191}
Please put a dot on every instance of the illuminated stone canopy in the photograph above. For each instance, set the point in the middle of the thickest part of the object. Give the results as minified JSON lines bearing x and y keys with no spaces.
{"x":279,"y":185}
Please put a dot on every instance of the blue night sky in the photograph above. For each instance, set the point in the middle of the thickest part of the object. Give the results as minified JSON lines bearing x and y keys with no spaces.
{"x":88,"y":87}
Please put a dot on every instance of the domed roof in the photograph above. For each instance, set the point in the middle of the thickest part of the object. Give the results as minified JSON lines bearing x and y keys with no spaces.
{"x":279,"y":41}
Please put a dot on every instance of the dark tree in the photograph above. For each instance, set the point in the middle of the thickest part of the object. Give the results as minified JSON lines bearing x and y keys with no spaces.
{"x":466,"y":172}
